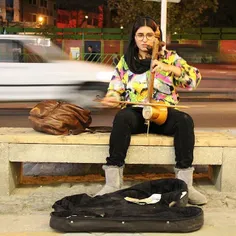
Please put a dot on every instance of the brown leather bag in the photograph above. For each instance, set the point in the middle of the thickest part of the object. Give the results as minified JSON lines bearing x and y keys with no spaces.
{"x":56,"y":117}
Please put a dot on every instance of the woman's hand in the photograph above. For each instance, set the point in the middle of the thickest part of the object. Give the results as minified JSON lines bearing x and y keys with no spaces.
{"x":110,"y":96}
{"x":158,"y":66}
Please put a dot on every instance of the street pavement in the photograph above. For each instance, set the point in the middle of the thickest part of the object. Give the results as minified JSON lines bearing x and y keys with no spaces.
{"x":27,"y":211}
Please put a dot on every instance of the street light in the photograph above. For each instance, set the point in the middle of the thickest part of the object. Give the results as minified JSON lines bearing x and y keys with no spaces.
{"x":40,"y":20}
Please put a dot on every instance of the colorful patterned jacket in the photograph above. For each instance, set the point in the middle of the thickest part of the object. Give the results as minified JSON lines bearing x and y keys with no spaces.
{"x":133,"y":87}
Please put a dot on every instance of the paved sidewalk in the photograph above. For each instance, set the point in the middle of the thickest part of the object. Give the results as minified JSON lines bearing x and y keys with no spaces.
{"x":217,"y":224}
{"x":27,"y":211}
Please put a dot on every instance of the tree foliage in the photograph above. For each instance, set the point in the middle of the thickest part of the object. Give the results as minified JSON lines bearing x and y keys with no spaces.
{"x":186,"y":14}
{"x":225,"y":15}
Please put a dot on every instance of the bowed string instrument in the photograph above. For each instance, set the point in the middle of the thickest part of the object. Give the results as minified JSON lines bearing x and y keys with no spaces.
{"x":153,"y":111}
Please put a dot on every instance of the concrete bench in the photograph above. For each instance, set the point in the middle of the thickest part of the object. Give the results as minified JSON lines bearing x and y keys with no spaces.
{"x":17,"y":145}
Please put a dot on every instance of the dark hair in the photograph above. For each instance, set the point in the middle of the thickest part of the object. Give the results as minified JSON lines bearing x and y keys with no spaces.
{"x":143,"y":21}
{"x":132,"y":50}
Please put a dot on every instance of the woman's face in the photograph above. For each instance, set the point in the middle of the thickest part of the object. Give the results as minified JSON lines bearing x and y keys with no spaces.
{"x":144,"y":37}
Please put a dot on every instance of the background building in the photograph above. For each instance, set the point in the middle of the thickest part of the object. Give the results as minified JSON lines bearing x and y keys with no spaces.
{"x":33,"y":13}
{"x":28,"y":12}
{"x":9,"y":10}
{"x":39,"y":11}
{"x":80,"y":18}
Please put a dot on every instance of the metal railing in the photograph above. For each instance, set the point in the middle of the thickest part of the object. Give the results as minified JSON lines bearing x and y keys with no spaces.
{"x":120,"y":34}
{"x":107,"y":59}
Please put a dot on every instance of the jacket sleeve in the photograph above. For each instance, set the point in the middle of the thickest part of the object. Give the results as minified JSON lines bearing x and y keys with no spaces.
{"x":190,"y":76}
{"x":117,"y":83}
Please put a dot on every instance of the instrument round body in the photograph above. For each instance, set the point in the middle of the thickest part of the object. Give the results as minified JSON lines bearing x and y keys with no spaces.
{"x":147,"y":112}
{"x":157,"y":114}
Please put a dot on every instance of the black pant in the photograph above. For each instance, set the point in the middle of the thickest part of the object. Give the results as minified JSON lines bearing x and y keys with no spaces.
{"x":130,"y":121}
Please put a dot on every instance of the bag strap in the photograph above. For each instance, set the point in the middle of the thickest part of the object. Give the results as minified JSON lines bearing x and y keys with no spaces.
{"x":92,"y":130}
{"x":99,"y":129}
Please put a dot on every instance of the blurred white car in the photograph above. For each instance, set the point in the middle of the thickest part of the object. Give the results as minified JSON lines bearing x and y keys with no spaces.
{"x":32,"y":68}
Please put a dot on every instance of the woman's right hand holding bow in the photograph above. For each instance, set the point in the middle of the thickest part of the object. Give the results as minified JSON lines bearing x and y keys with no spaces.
{"x":111,"y":96}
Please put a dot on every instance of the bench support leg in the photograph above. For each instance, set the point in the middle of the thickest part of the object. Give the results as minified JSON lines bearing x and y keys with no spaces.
{"x":215,"y":175}
{"x":224,"y":176}
{"x":9,"y":172}
{"x":228,"y":180}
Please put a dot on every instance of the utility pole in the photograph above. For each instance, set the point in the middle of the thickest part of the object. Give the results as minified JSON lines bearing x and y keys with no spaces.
{"x":163,"y":19}
{"x":163,"y":14}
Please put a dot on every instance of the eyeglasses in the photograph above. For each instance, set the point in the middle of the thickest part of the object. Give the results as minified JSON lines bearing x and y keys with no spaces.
{"x":141,"y":36}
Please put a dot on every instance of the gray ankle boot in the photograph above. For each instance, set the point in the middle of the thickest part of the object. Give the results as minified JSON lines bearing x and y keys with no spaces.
{"x":114,"y":179}
{"x":194,"y":196}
